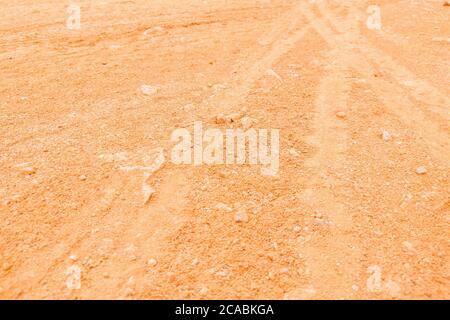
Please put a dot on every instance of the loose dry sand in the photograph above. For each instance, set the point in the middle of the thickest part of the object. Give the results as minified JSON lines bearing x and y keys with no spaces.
{"x":358,"y":210}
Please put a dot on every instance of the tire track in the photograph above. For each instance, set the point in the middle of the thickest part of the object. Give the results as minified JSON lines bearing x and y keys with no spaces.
{"x":418,"y":88}
{"x":436,"y":138}
{"x":330,"y":249}
{"x":330,"y":245}
{"x":48,"y":267}
{"x":281,"y":40}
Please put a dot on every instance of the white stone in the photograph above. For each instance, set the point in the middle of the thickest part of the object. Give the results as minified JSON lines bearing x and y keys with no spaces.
{"x":223,"y":206}
{"x":421,"y":170}
{"x":241,"y":215}
{"x":341,"y":114}
{"x":386,"y":135}
{"x":221,"y":273}
{"x":284,"y":270}
{"x":408,"y":246}
{"x":152,"y":262}
{"x":155,"y":29}
{"x":148,"y":90}
{"x":147,"y":191}
{"x":293,"y":152}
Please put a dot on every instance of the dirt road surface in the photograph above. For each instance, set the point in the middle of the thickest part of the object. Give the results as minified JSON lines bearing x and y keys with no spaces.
{"x":91,"y":205}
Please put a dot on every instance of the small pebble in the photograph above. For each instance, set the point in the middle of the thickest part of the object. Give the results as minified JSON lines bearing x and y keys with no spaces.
{"x":284,"y":270}
{"x":408,"y":246}
{"x":83,"y":177}
{"x":148,"y":90}
{"x":148,"y":192}
{"x":421,"y":170}
{"x":221,"y":273}
{"x":152,"y":262}
{"x":241,"y":215}
{"x":386,"y":135}
{"x":341,"y":114}
{"x":293,"y":152}
{"x":28,"y":170}
{"x":223,"y":206}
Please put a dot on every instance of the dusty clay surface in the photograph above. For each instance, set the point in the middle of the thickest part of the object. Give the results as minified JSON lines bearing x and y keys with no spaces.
{"x":359,"y":208}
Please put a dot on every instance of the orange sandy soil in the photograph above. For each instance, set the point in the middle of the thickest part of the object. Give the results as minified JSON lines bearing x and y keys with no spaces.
{"x":347,"y":217}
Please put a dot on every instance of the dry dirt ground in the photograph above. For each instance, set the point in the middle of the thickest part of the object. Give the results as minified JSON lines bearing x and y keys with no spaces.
{"x":359,"y":208}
